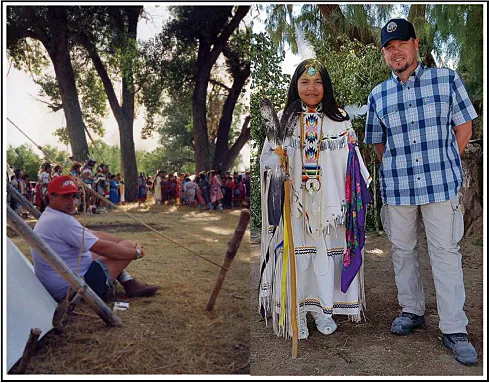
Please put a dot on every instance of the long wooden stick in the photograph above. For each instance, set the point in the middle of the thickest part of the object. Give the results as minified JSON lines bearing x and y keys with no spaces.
{"x":293,"y":277}
{"x":244,"y":219}
{"x":29,"y":349}
{"x":71,"y":307}
{"x":14,"y":193}
{"x":45,"y":251}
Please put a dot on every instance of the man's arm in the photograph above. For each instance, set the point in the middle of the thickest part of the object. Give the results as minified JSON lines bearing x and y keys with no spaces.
{"x":107,"y":236}
{"x":463,"y":133}
{"x":379,"y":150}
{"x":113,"y":250}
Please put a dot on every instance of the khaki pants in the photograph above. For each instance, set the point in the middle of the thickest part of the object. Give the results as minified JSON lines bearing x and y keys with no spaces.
{"x":444,"y":226}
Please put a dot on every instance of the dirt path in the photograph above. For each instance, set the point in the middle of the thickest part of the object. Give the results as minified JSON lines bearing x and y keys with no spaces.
{"x":369,"y":348}
{"x":170,"y":333}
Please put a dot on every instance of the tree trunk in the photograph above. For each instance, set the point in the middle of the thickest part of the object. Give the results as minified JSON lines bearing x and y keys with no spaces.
{"x":129,"y":170}
{"x":128,"y":153}
{"x":222,"y":143}
{"x":227,"y":158}
{"x":471,"y":190}
{"x":199,"y":101}
{"x":124,"y":114}
{"x":206,"y":58}
{"x":332,"y":12}
{"x":59,"y":53}
{"x":126,"y":124}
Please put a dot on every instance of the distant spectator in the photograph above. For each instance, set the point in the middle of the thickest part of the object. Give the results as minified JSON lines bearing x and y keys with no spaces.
{"x":141,"y":195}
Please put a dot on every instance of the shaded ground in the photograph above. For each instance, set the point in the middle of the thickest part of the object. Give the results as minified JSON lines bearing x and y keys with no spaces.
{"x":369,"y":348}
{"x":170,"y":333}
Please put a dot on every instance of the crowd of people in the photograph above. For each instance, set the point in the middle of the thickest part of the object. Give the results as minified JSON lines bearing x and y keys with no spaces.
{"x":111,"y":186}
{"x":207,"y":190}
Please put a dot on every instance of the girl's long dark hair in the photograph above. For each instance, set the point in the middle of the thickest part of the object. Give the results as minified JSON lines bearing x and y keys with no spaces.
{"x":329,"y":106}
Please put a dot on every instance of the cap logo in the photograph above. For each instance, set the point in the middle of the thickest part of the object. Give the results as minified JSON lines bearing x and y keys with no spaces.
{"x":68,"y":184}
{"x":391,"y":27}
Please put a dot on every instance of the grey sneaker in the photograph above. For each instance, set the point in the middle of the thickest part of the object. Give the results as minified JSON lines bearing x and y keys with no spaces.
{"x":325,"y":324}
{"x":303,"y":330}
{"x":407,"y":322}
{"x":462,"y":349}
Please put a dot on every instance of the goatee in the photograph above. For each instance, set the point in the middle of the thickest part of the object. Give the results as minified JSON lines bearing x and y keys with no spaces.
{"x":402,"y":69}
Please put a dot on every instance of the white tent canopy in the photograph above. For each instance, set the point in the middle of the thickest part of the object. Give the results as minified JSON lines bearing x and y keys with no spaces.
{"x":29,"y":305}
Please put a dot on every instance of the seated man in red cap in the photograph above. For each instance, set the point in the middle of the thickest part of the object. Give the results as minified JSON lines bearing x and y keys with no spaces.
{"x":104,"y":256}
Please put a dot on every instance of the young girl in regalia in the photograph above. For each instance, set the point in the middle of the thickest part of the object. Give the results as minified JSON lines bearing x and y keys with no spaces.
{"x":313,"y":233}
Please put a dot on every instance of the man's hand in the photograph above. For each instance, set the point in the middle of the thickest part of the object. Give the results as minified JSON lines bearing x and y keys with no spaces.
{"x":379,"y":151}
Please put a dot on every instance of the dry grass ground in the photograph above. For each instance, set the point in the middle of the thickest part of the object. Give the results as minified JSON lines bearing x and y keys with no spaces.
{"x":170,"y":333}
{"x":369,"y":348}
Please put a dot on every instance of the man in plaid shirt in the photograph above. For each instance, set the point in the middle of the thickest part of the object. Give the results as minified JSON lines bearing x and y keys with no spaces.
{"x":420,"y":121}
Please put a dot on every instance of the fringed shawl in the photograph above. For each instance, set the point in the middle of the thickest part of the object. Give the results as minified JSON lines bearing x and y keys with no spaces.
{"x":357,"y":198}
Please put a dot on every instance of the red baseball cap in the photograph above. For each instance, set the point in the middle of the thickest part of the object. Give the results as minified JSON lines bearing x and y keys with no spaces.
{"x":62,"y":185}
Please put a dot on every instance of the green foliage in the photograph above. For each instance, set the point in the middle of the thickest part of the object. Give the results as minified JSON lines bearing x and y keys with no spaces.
{"x":23,"y":157}
{"x":202,"y":23}
{"x":267,"y":81}
{"x":108,"y":154}
{"x":25,"y":54}
{"x":167,"y":160}
{"x":458,"y":32}
{"x":53,"y":154}
{"x":92,"y":97}
{"x":170,"y":160}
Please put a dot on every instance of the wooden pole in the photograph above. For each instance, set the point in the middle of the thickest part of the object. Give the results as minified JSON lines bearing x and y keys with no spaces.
{"x":45,"y":251}
{"x":29,"y":349}
{"x":71,"y":307}
{"x":14,"y":193}
{"x":233,"y":246}
{"x":293,"y":277}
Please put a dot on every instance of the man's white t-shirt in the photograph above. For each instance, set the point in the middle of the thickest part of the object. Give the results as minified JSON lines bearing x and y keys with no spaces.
{"x":63,"y":233}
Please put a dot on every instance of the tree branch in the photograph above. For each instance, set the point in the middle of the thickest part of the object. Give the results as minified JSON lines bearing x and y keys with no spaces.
{"x":242,"y":139}
{"x":53,"y":106}
{"x":216,"y":82}
{"x":102,"y":72}
{"x":221,"y":41}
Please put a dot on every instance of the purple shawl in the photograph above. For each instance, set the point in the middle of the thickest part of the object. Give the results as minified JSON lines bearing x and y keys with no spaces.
{"x":357,"y":198}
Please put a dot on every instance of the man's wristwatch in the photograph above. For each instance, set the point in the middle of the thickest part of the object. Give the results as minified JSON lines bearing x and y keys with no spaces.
{"x":138,"y":254}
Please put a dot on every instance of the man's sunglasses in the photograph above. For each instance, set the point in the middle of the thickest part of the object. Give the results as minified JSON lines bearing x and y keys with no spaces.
{"x":70,"y":195}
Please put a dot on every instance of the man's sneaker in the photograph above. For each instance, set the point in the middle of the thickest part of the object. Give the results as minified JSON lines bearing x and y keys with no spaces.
{"x":462,"y":349}
{"x":407,"y":322}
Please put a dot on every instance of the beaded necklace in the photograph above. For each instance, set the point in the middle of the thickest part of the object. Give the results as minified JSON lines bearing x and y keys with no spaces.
{"x":308,"y":136}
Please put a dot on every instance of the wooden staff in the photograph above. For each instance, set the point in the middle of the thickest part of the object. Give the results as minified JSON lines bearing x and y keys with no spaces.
{"x":293,"y":276}
{"x":45,"y":251}
{"x":28,"y":350}
{"x":233,"y":246}
{"x":14,"y":193}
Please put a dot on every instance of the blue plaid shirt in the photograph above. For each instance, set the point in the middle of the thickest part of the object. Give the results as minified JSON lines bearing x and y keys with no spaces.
{"x":421,"y":162}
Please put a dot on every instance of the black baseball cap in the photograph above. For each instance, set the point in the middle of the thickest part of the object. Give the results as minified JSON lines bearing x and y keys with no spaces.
{"x":397,"y":29}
